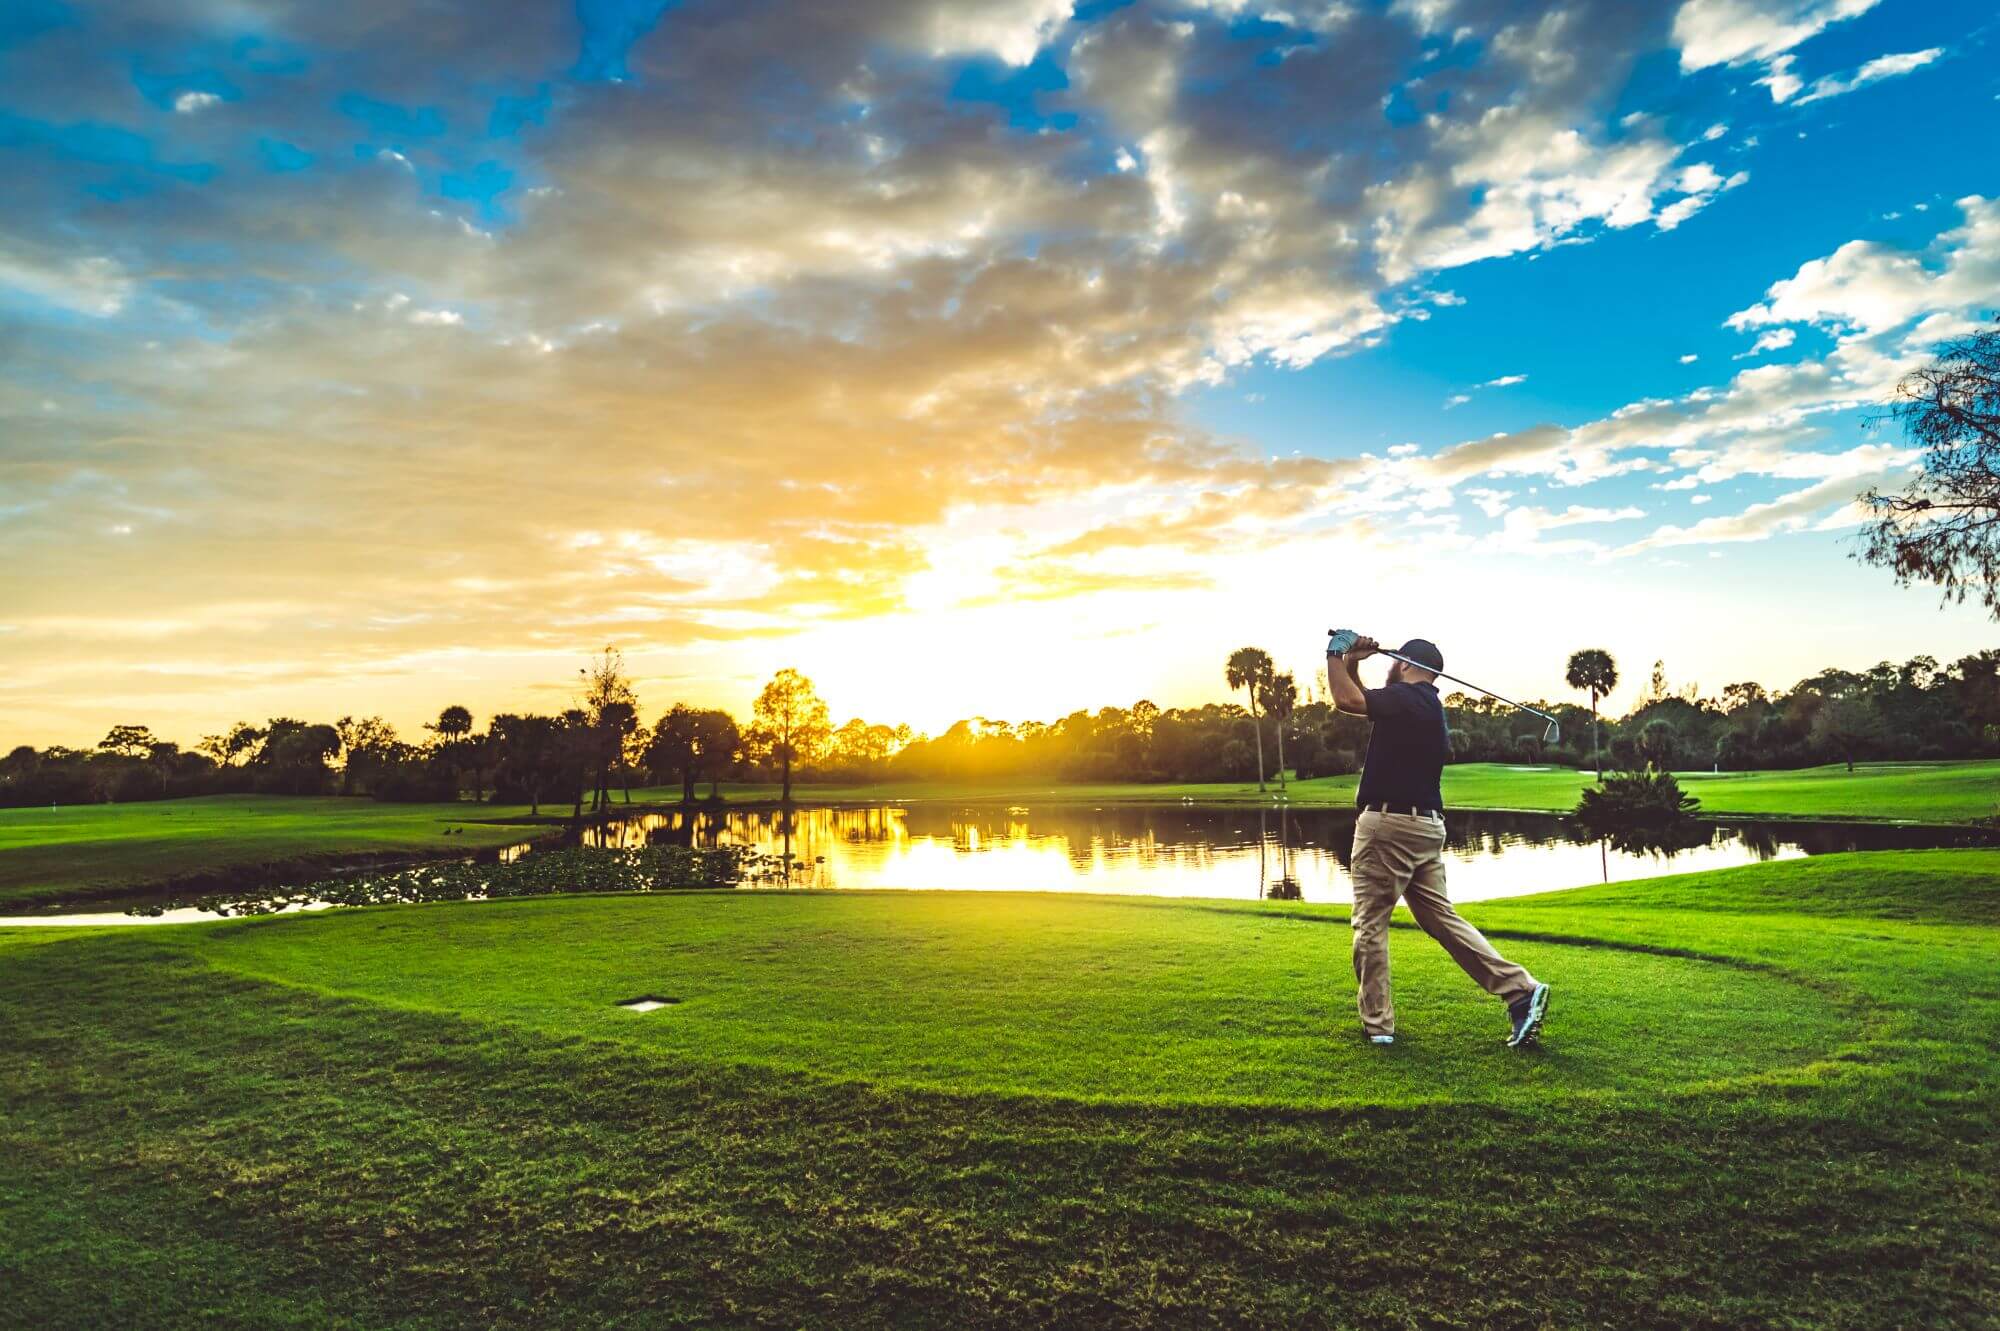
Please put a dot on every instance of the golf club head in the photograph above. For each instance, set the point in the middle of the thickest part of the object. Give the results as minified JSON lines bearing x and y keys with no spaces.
{"x":1553,"y":735}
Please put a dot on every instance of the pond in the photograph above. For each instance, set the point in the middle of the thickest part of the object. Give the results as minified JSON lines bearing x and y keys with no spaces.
{"x":1162,"y":850}
{"x":1211,"y":851}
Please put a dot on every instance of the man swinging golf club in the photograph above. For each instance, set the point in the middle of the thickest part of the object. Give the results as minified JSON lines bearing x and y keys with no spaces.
{"x":1399,"y":836}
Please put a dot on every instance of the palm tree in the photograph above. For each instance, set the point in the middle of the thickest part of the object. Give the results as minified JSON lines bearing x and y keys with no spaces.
{"x":1281,"y":695}
{"x":1250,"y":668}
{"x":1659,"y":744}
{"x":454,"y":723}
{"x":1593,"y":669}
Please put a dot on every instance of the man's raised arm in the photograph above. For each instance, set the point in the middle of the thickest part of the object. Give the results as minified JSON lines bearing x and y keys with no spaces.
{"x":1344,"y":679}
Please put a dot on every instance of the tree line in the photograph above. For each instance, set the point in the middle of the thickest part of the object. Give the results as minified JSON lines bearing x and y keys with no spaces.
{"x":593,"y":753}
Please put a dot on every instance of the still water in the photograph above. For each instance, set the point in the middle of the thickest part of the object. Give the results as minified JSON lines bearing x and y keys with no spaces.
{"x":1172,"y":850}
{"x":1161,"y":850}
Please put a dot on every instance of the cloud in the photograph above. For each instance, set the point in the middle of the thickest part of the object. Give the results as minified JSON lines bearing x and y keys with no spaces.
{"x":1776,"y":339}
{"x":1457,"y":400}
{"x":189,"y":102}
{"x":1700,"y":184}
{"x":1884,"y":308}
{"x":92,"y":284}
{"x":1012,"y":30}
{"x":1870,"y":287}
{"x":1505,"y":381}
{"x":1542,"y":520}
{"x":1782,"y":83}
{"x":1689,"y":359}
{"x":1736,"y":32}
{"x":720,"y":355}
{"x":1521,"y":529}
{"x":1882,"y":67}
{"x":1793,"y":512}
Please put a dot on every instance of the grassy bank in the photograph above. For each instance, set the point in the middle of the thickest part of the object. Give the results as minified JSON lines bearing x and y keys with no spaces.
{"x":47,"y":853}
{"x":890,"y":1109}
{"x":82,"y":849}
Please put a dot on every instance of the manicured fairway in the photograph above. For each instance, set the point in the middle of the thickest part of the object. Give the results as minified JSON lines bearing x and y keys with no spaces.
{"x":942,"y":1109}
{"x":1035,"y":993}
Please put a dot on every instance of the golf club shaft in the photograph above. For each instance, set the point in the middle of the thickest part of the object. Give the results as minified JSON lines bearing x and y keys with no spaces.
{"x":1393,"y":656}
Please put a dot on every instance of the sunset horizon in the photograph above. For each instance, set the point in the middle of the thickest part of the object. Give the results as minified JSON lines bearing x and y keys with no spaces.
{"x":993,"y":361}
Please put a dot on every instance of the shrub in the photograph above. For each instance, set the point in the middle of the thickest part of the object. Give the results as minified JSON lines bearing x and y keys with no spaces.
{"x":1636,"y":799}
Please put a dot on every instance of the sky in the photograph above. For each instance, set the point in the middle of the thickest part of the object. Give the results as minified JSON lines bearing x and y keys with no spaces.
{"x":977,"y":359}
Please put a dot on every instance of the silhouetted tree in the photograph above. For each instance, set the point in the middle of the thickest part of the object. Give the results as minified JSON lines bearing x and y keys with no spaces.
{"x":613,"y":709}
{"x":1250,"y":668}
{"x":1659,"y":743}
{"x":675,"y":747}
{"x":1594,"y":670}
{"x":1281,"y":697}
{"x":1845,"y":724}
{"x":453,"y":722}
{"x":527,"y":755}
{"x":1656,"y":688}
{"x":791,"y":724}
{"x":576,"y":752}
{"x":293,"y":759}
{"x":718,"y":740}
{"x":367,"y":746}
{"x":1944,"y":526}
{"x":452,"y":728}
{"x":238,"y":743}
{"x":128,"y":741}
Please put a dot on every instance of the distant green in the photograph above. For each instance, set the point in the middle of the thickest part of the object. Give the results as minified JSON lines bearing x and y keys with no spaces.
{"x":1769,"y":1097}
{"x":1943,"y":792}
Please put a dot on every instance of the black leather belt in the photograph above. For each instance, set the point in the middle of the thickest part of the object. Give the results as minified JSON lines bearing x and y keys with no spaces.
{"x":1410,"y":809}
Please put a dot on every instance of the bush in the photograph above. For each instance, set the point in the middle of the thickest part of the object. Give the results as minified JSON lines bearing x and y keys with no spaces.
{"x":1330,"y":762}
{"x":1636,"y":799}
{"x":1642,"y":813}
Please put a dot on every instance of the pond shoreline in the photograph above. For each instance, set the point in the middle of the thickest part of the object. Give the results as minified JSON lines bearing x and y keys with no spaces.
{"x":247,"y":878}
{"x":1317,"y":829}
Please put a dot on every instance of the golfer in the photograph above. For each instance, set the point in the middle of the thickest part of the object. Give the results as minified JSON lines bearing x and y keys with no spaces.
{"x":1399,"y":840}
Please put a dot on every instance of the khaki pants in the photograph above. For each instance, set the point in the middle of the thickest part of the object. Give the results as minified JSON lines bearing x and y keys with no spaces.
{"x":1401,"y":855}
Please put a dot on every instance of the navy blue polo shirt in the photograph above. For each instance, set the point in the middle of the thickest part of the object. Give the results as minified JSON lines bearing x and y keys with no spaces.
{"x":1407,"y":747}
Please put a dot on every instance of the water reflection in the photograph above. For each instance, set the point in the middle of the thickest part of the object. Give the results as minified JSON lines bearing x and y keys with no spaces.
{"x":1162,"y":850}
{"x":1176,"y":850}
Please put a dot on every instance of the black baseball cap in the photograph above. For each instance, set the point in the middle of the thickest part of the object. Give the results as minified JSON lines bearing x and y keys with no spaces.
{"x":1424,"y":652}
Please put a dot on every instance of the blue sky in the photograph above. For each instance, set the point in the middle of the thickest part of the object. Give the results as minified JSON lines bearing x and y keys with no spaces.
{"x":352,"y":354}
{"x":1822,"y":175}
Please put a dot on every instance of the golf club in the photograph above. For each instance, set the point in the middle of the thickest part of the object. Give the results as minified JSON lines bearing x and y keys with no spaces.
{"x":1339,"y":640}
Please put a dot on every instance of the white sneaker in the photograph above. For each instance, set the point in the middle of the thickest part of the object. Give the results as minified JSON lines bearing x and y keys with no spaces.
{"x":1527,"y":1015}
{"x":1381,"y":1039}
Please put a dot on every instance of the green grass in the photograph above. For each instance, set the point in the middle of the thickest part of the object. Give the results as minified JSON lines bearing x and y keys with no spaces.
{"x":1034,"y":993}
{"x":92,"y":848}
{"x":1956,"y":792}
{"x":1768,"y":1099}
